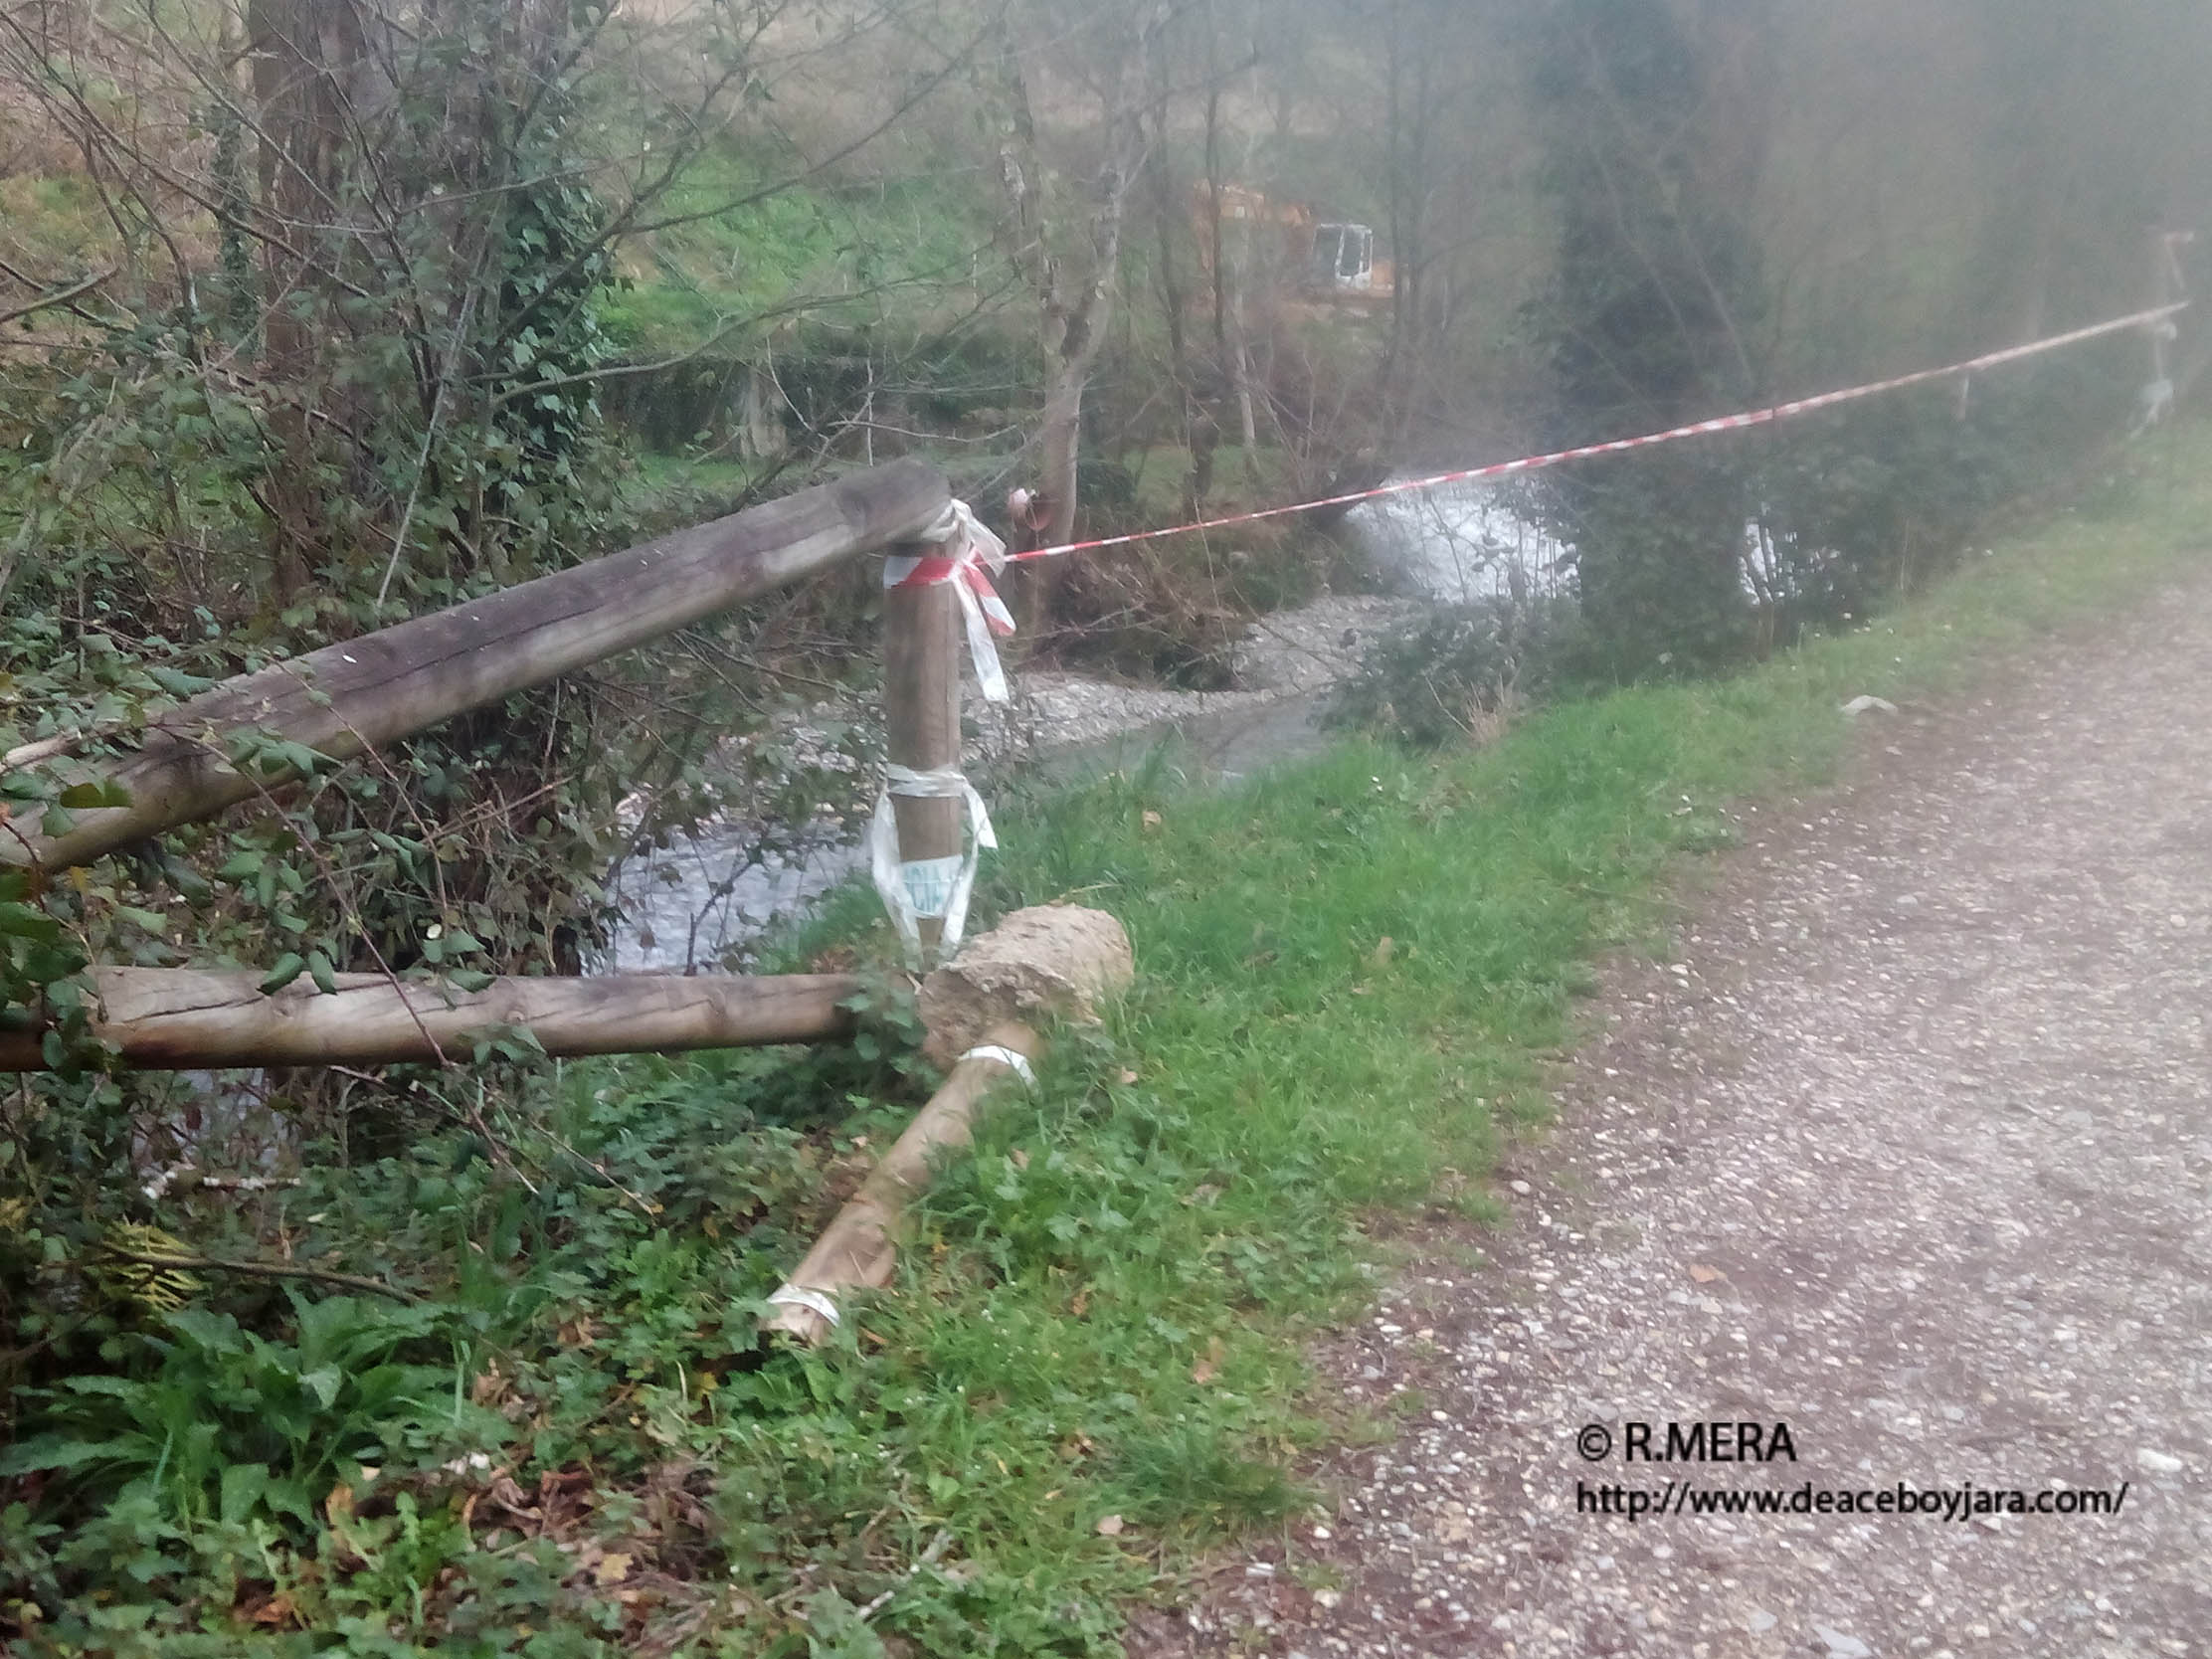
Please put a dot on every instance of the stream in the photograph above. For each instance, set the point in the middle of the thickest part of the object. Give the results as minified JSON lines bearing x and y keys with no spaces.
{"x":704,"y":896}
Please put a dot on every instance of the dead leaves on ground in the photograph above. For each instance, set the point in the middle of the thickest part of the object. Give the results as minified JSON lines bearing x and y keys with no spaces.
{"x":628,"y":1547}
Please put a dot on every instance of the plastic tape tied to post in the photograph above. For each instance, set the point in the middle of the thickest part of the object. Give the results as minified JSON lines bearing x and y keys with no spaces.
{"x":972,"y":555}
{"x":937,"y":888}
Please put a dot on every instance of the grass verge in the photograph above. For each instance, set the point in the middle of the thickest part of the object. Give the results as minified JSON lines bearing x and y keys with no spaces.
{"x":1353,"y":974}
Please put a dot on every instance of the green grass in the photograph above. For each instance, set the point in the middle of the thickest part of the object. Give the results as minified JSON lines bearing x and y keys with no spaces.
{"x":855,"y":251}
{"x":1161,"y":473}
{"x":1101,"y":1314}
{"x":57,"y":221}
{"x":654,"y":477}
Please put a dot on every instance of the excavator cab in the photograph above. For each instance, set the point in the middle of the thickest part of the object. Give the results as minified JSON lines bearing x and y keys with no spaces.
{"x":1329,"y":265}
{"x":1343,"y":258}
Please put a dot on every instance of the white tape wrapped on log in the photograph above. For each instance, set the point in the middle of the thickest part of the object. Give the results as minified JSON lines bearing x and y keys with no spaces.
{"x":1011,"y":1058}
{"x":798,"y":1296}
{"x":932,"y":887}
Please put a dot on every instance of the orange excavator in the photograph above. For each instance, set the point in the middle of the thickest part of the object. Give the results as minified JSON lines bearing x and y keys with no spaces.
{"x":1324,"y":261}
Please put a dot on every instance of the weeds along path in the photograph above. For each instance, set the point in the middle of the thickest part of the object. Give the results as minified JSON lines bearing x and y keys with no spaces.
{"x":1908,"y":1146}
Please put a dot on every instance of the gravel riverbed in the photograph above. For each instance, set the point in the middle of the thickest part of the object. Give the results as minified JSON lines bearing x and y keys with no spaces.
{"x":694,"y":900}
{"x":1291,"y":653}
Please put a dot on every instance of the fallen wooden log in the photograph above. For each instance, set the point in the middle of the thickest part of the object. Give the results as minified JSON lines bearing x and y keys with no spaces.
{"x":860,"y":1246}
{"x":362,"y":694}
{"x":1049,"y":960}
{"x":180,"y":1016}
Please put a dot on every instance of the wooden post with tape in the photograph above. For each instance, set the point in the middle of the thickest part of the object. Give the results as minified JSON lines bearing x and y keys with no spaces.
{"x":921,"y":719}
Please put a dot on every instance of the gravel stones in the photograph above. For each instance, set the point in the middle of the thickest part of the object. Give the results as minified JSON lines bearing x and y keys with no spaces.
{"x":1946,"y":1162}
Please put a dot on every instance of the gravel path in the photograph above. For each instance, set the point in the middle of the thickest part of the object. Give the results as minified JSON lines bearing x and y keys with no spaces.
{"x":1910,"y":1150}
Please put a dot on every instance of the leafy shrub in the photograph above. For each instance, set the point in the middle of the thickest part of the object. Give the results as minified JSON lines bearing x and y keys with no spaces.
{"x":1466,"y":666}
{"x":1862,"y":504}
{"x":207,"y":1420}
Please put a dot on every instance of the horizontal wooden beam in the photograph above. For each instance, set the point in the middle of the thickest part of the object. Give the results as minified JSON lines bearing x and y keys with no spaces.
{"x":182,"y":1017}
{"x":363,"y":693}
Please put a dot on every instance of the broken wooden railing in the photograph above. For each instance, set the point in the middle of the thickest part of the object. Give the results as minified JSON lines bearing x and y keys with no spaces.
{"x":360,"y":694}
{"x":348,"y":699}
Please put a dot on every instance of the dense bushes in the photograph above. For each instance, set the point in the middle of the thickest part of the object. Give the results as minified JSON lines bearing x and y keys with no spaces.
{"x":1809,"y":526}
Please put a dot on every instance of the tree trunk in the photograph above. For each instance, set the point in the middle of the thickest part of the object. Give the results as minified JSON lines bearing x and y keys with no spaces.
{"x":1075,"y":310}
{"x":1228,"y":280}
{"x":304,"y":54}
{"x":1059,"y":447}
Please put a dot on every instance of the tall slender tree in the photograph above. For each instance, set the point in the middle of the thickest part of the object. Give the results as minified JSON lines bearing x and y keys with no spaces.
{"x":1073,"y":269}
{"x":1654,"y":135}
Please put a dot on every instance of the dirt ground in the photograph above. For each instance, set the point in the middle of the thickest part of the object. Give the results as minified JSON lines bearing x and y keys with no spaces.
{"x":1908,"y":1149}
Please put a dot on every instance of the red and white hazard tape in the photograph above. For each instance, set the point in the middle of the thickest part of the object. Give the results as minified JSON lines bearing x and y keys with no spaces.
{"x":972,"y":555}
{"x":1698,"y":429}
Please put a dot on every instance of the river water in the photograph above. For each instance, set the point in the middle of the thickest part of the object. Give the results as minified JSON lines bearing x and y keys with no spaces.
{"x":1459,"y":544}
{"x":705,"y":899}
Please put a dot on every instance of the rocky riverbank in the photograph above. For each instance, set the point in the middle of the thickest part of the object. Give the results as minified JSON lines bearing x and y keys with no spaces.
{"x":1286,"y":656}
{"x":693,"y":902}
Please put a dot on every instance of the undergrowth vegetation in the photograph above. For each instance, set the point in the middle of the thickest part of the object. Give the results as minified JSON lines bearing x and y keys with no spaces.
{"x":1821,"y":524}
{"x":506,"y":1393}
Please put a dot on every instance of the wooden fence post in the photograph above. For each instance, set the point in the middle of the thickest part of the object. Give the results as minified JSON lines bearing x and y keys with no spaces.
{"x":921,"y":717}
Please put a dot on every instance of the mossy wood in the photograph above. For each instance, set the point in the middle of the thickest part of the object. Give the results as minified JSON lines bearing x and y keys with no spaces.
{"x":181,"y":1016}
{"x":361,"y":694}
